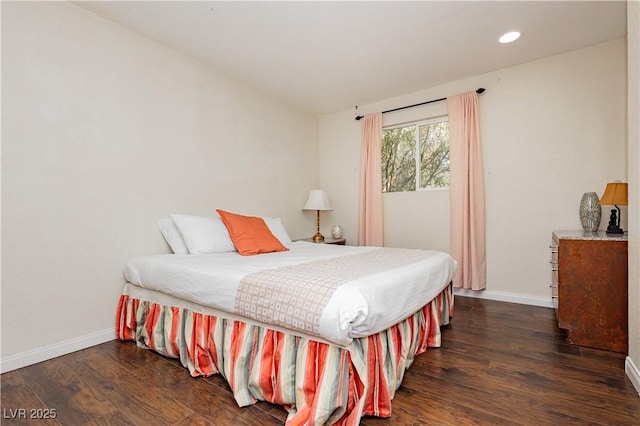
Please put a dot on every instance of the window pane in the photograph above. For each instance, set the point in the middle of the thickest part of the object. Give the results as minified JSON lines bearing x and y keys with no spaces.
{"x":434,"y":155}
{"x":399,"y":159}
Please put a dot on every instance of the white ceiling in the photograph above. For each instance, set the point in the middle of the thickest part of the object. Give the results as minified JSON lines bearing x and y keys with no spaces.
{"x":325,"y":56}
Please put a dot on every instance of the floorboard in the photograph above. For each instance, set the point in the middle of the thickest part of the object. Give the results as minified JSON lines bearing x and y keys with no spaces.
{"x":499,"y":364}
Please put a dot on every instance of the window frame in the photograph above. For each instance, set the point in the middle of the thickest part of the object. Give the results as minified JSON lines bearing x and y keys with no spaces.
{"x":417,"y":124}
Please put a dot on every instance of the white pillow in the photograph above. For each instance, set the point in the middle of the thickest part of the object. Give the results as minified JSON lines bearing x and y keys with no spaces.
{"x":172,"y":235}
{"x":203,"y":234}
{"x":277,"y":229}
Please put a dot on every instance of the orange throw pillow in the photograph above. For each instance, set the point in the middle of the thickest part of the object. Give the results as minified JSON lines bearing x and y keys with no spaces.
{"x":250,"y":234}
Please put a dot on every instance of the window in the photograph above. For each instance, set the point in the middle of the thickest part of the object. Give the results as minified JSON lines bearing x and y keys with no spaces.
{"x":416,"y":156}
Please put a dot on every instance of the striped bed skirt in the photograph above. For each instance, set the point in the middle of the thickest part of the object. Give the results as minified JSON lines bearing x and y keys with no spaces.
{"x":318,"y":383}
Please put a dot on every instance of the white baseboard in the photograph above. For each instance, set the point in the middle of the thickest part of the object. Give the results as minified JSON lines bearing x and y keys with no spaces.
{"x":34,"y":356}
{"x":523,"y":299}
{"x":633,"y":373}
{"x":13,"y":362}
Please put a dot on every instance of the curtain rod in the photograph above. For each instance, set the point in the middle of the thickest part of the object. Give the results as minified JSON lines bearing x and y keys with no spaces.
{"x":480,"y":90}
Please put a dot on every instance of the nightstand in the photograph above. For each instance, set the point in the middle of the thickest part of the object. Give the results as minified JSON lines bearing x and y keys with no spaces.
{"x":334,"y":241}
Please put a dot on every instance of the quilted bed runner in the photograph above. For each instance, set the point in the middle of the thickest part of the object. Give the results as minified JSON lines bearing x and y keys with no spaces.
{"x":294,"y":297}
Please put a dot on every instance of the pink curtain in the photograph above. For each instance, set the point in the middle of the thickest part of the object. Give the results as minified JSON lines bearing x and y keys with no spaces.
{"x":370,"y":231}
{"x":467,"y":237}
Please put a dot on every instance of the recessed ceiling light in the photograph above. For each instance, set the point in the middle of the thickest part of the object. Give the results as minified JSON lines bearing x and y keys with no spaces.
{"x":509,"y":37}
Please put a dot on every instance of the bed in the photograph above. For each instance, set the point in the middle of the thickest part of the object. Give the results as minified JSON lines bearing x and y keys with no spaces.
{"x":325,"y":331}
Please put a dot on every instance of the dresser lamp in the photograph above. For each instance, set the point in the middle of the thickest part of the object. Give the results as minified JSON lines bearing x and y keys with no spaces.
{"x":318,"y":200}
{"x":614,"y":195}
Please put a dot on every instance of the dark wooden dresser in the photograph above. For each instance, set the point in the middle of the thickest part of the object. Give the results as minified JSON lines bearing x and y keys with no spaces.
{"x":589,"y":288}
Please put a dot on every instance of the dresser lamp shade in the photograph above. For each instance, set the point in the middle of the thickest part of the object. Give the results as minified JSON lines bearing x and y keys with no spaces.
{"x":318,"y":200}
{"x":615,"y":194}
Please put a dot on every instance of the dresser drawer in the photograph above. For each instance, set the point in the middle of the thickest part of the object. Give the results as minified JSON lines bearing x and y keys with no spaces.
{"x":553,"y":261}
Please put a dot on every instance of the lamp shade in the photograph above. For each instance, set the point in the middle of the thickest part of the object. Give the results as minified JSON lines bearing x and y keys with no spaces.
{"x":318,"y":200}
{"x":615,"y":194}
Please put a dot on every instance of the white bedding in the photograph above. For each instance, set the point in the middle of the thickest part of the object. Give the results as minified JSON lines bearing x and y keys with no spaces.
{"x":358,"y":308}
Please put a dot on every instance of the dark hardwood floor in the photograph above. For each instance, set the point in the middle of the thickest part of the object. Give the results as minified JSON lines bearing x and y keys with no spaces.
{"x":500,"y":363}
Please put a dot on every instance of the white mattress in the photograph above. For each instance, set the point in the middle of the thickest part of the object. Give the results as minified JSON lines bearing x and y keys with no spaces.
{"x":358,"y":308}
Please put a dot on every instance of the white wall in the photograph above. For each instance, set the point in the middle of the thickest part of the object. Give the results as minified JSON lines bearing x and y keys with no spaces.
{"x":551,"y":130}
{"x":104,"y":132}
{"x":633,"y":76}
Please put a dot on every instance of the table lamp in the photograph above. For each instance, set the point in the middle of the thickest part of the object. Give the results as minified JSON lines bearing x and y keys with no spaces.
{"x":615,"y":195}
{"x":318,"y":200}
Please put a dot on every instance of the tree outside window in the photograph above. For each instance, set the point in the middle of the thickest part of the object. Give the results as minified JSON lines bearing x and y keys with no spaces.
{"x":415,"y":156}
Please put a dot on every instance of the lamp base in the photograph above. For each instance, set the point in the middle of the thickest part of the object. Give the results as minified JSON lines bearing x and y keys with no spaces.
{"x":614,"y":231}
{"x":318,"y":238}
{"x":614,"y":223}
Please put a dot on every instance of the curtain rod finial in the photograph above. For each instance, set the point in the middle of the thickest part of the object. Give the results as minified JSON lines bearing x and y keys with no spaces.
{"x":358,"y":117}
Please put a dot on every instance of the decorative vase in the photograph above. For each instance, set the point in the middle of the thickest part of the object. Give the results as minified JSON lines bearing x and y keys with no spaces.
{"x":590,"y":212}
{"x":336,"y":231}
